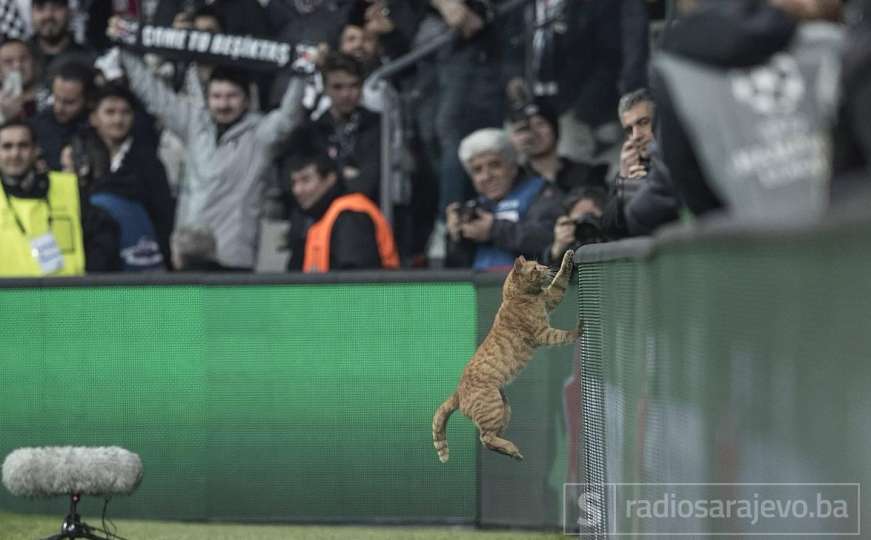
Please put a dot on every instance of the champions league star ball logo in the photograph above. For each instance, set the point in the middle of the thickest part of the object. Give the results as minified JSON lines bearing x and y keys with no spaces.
{"x":775,"y":88}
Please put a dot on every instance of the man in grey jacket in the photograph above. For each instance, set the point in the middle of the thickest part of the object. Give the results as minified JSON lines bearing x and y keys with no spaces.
{"x":228,"y":152}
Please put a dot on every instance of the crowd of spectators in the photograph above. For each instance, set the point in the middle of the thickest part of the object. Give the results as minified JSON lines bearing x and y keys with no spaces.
{"x":535,"y":130}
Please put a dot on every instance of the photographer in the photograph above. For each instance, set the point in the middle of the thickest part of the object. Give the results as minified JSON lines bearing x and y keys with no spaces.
{"x":580,"y":225}
{"x":512,"y":215}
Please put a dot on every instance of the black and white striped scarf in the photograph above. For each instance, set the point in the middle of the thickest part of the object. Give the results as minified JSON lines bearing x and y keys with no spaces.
{"x":11,"y":23}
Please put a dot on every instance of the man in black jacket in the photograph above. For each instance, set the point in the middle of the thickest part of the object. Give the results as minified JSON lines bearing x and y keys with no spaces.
{"x":534,"y":132}
{"x":126,"y":179}
{"x":355,"y":235}
{"x":72,"y":88}
{"x":348,"y":132}
{"x":642,"y":198}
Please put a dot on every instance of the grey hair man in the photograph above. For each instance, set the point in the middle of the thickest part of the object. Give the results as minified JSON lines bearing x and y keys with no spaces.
{"x":642,"y":198}
{"x":512,"y":214}
{"x":636,"y":110}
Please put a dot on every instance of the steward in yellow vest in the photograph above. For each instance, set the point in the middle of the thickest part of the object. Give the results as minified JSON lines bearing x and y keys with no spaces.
{"x":41,"y":232}
{"x":42,"y":235}
{"x":335,"y":230}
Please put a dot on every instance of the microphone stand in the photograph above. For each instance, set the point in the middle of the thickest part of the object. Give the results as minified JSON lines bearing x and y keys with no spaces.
{"x":73,"y":526}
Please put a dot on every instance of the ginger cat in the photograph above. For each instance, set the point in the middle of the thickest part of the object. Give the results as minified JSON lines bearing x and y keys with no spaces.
{"x":530,"y":292}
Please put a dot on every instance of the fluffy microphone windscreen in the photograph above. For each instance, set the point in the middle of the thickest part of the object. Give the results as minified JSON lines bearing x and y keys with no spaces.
{"x":66,"y":470}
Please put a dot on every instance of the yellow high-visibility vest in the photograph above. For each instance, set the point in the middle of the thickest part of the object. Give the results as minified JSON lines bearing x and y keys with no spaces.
{"x":61,"y":208}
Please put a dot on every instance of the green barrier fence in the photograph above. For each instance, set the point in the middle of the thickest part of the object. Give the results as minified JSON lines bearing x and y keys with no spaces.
{"x":281,"y":399}
{"x":726,"y":365}
{"x":299,"y":402}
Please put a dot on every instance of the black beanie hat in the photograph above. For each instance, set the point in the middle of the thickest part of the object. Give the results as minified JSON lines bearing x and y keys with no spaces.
{"x":537,"y":107}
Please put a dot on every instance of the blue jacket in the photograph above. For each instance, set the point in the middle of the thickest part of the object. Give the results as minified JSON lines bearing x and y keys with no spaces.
{"x":523,"y":225}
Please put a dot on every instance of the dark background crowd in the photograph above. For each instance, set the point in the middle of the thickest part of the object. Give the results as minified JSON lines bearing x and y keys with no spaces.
{"x":541,"y":126}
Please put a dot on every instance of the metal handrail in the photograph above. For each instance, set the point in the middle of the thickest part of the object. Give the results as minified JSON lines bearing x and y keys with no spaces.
{"x":411,"y":58}
{"x":383,"y":75}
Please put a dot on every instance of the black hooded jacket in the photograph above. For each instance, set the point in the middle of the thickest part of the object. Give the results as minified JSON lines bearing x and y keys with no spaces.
{"x":733,"y":34}
{"x":653,"y":204}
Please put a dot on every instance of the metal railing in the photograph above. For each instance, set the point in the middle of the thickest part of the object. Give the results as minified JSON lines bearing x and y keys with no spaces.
{"x":395,"y":181}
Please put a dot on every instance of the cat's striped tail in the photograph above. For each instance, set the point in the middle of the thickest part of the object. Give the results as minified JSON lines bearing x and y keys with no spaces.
{"x":439,"y":423}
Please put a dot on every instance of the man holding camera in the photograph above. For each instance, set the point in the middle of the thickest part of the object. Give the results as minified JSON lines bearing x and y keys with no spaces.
{"x":643,"y":197}
{"x":512,"y":215}
{"x":580,"y":225}
{"x":636,"y":116}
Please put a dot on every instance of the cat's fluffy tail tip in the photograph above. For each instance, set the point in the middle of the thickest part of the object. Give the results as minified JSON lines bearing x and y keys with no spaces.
{"x":444,"y":457}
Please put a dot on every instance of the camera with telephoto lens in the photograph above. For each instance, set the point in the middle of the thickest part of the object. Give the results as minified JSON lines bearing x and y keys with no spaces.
{"x":588,"y":230}
{"x":468,"y":211}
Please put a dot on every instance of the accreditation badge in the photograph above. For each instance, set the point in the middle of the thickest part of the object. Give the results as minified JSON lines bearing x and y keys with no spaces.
{"x":46,"y":253}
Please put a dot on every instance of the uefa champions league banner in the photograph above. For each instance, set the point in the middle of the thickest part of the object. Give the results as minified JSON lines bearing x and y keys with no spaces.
{"x":216,"y":49}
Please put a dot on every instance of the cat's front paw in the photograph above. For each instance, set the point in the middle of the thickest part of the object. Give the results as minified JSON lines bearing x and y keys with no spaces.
{"x":568,"y":257}
{"x":579,"y":329}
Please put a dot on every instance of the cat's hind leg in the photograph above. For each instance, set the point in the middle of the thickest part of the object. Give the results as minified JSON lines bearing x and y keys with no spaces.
{"x":488,"y":411}
{"x":506,"y":414}
{"x":503,"y":446}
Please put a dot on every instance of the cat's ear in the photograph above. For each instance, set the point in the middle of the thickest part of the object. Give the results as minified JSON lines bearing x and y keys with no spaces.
{"x":518,"y":263}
